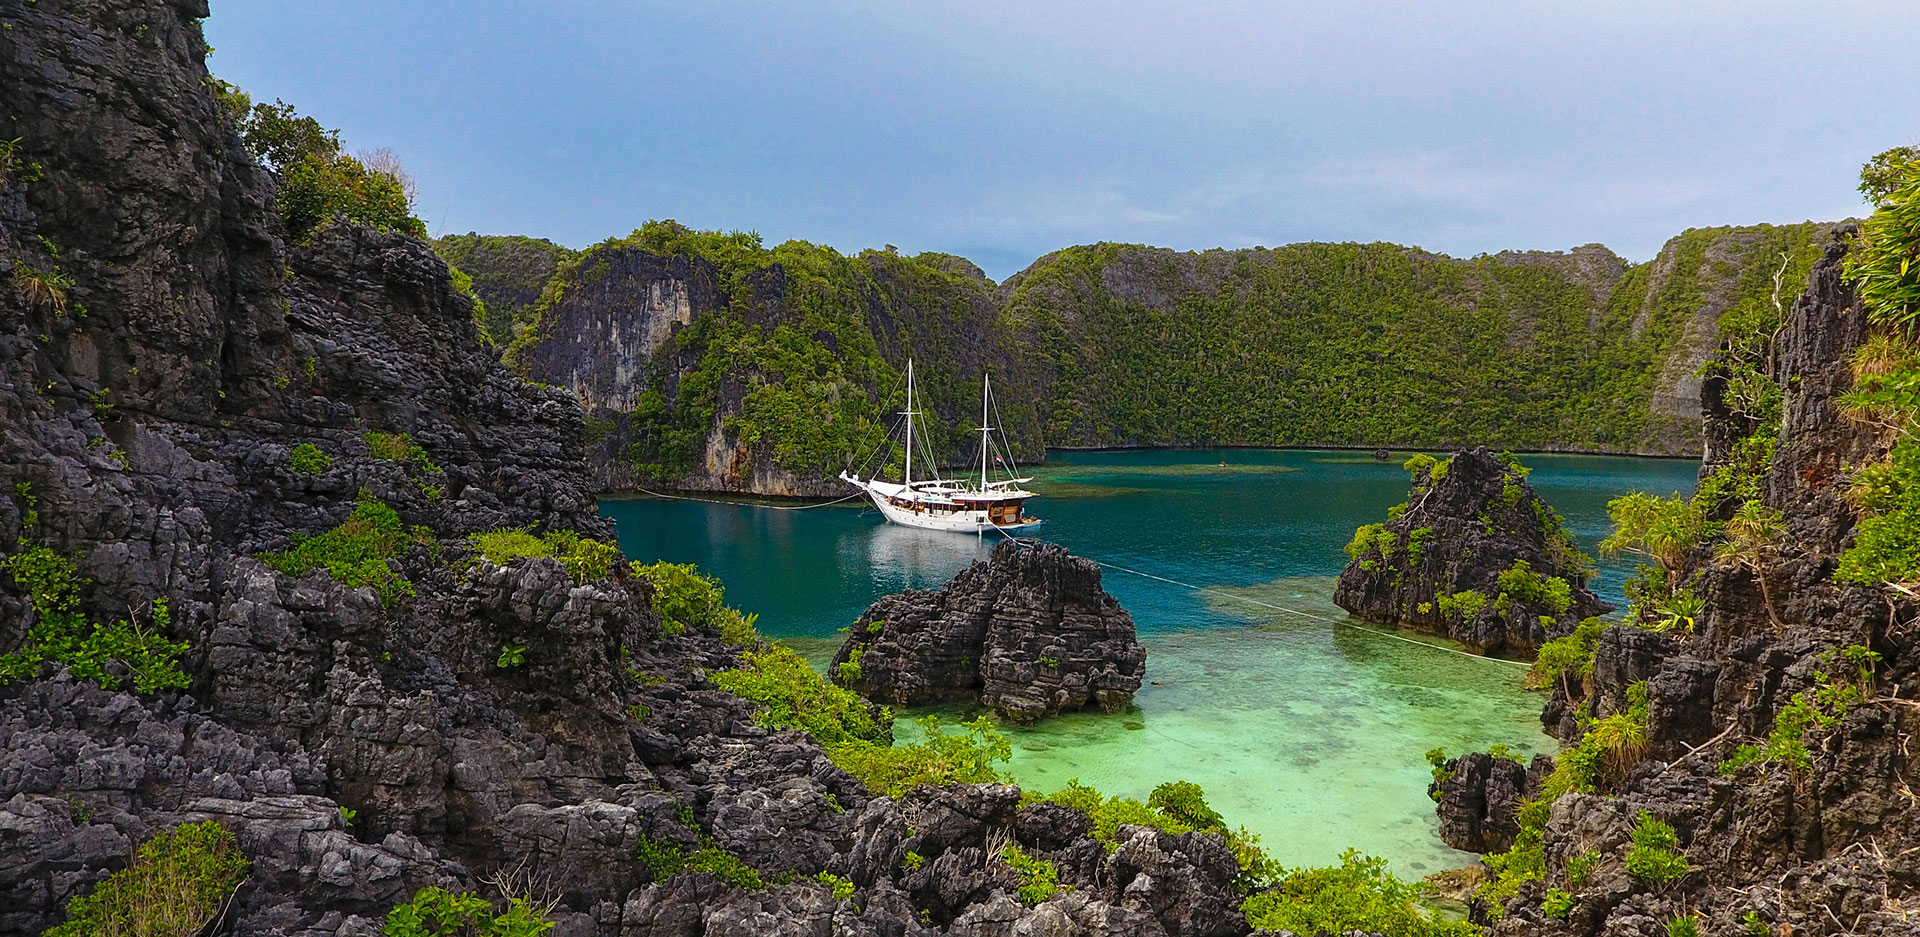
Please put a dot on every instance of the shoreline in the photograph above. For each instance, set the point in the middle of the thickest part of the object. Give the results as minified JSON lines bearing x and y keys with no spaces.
{"x":668,"y":492}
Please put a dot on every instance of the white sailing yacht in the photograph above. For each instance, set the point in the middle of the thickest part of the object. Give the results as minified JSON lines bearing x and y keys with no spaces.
{"x":960,"y":505}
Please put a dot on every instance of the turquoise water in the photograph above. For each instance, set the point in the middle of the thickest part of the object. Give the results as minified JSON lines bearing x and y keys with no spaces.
{"x":1306,"y":728}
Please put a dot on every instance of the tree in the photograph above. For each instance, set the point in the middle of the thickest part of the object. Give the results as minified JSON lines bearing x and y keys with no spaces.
{"x":1753,"y":537}
{"x":1664,"y":530}
{"x":318,"y":182}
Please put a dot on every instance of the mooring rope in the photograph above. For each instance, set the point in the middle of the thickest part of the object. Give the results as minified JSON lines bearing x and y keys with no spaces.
{"x":1213,"y":590}
{"x":747,"y":503}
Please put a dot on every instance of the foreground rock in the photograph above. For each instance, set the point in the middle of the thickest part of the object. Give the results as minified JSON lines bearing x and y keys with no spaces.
{"x":1029,"y":633}
{"x":1474,"y":555}
{"x":490,"y":723}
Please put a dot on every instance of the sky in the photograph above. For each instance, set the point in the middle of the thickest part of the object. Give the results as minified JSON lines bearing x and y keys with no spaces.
{"x":1001,"y":131}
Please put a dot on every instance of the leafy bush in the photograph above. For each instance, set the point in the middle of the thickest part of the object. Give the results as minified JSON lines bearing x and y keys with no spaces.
{"x":966,"y":757}
{"x":684,"y":599}
{"x":308,"y":459}
{"x":61,"y":632}
{"x":1521,"y":582}
{"x":842,"y":889}
{"x":1558,"y":904}
{"x":402,"y":449}
{"x":791,"y":695}
{"x":178,"y":881}
{"x":356,"y":552}
{"x":1886,"y":545}
{"x":437,"y":912}
{"x":1881,"y":263}
{"x":1581,"y":866}
{"x":1357,"y":895}
{"x":585,"y":559}
{"x":1464,"y":605}
{"x":318,"y":182}
{"x":1039,"y":880}
{"x":1570,"y":656}
{"x":1685,"y":925}
{"x":1654,"y":855}
{"x":1186,"y":802}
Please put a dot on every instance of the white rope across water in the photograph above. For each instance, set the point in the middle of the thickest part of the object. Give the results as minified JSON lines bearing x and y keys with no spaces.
{"x":1212,"y":590}
{"x":751,"y":504}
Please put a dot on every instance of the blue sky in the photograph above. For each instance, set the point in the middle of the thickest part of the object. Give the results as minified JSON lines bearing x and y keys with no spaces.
{"x":1001,"y":131}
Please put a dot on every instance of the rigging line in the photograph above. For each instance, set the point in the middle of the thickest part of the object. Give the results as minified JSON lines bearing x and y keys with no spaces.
{"x":751,"y":504}
{"x":1290,"y":611}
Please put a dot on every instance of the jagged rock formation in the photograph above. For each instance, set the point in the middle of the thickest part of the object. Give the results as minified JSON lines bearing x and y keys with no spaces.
{"x":1823,"y":850}
{"x":1576,"y":350}
{"x":1029,"y":633}
{"x":1474,"y":555}
{"x":146,"y":428}
{"x":1478,"y":797}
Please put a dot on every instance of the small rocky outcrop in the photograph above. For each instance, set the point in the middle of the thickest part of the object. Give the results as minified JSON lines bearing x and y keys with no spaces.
{"x":1029,"y":633}
{"x":1478,"y":798}
{"x":1474,"y":555}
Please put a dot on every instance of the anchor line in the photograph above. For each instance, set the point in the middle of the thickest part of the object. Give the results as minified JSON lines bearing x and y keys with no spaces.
{"x":770,"y":507}
{"x":1280,"y":608}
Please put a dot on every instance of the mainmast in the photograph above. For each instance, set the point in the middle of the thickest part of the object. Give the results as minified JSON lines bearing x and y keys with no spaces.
{"x":907,"y":478}
{"x":986,"y":440}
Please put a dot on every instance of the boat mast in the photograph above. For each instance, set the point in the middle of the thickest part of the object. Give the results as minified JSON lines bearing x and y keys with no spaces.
{"x":986,"y":439}
{"x":906,"y":477}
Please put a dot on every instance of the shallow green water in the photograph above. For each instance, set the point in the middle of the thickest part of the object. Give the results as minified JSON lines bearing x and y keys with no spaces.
{"x":1309,"y":731}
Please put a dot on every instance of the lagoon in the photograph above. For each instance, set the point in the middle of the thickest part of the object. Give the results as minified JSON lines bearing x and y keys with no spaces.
{"x":1301,"y":724}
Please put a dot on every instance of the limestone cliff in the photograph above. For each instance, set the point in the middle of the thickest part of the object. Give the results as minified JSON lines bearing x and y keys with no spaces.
{"x":1123,"y":345}
{"x":1029,"y":633}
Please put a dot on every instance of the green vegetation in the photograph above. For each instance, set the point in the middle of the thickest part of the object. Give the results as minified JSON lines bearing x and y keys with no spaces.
{"x":508,"y":274}
{"x":178,"y":881}
{"x":62,"y":634}
{"x":1370,"y":344}
{"x":684,"y":599}
{"x":437,"y":912}
{"x":1833,"y":694}
{"x":1357,"y":895}
{"x":842,"y":889}
{"x":1606,"y":750}
{"x":1568,"y":658}
{"x":402,"y":449}
{"x":318,"y":182}
{"x":46,"y":290}
{"x":584,"y":558}
{"x":1558,"y":904}
{"x":1685,"y":925}
{"x":849,"y":670}
{"x":1174,"y":807}
{"x":1464,"y":605}
{"x":792,"y":696}
{"x":964,"y":757}
{"x":814,"y":382}
{"x":1654,"y":855}
{"x":511,"y":655}
{"x":356,"y":552}
{"x":665,"y":860}
{"x":308,"y":459}
{"x":1522,"y":584}
{"x":1039,"y":880}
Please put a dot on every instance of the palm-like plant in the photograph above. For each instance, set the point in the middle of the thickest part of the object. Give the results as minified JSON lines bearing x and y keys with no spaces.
{"x":1753,"y":538}
{"x":1664,"y":530}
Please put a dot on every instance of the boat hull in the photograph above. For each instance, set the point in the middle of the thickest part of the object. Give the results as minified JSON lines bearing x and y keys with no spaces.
{"x":959,"y":522}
